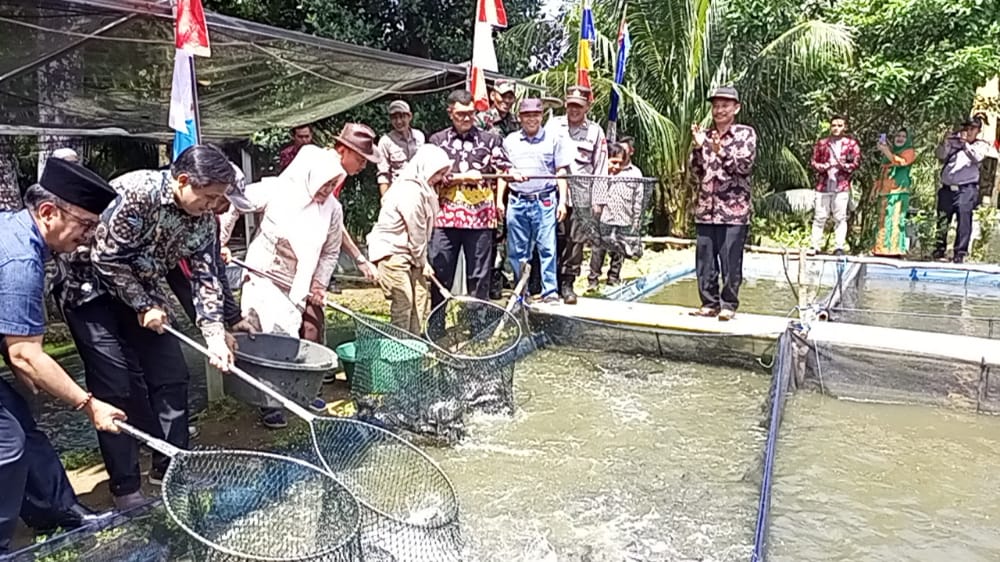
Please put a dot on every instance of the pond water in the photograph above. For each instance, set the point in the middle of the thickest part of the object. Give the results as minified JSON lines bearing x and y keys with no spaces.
{"x":927,"y":305}
{"x":877,"y":483}
{"x":609,"y":458}
{"x":757,"y":296}
{"x":613,"y":457}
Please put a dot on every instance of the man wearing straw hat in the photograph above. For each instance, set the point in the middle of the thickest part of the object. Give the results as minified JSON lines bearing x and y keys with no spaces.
{"x":60,"y":215}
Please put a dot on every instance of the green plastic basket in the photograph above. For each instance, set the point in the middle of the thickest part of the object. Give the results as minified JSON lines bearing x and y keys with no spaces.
{"x":391,"y":363}
{"x":346,"y":353}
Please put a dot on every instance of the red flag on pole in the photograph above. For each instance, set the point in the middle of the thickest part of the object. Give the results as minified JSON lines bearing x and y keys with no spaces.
{"x":489,"y":14}
{"x":190,"y":28}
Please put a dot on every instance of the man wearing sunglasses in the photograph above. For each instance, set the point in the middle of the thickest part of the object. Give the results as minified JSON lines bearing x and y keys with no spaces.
{"x":62,"y":211}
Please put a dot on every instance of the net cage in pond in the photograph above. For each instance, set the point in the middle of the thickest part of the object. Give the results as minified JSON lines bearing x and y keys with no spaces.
{"x":612,"y":210}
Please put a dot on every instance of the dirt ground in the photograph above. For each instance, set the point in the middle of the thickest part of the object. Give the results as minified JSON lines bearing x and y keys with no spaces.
{"x":229,"y":424}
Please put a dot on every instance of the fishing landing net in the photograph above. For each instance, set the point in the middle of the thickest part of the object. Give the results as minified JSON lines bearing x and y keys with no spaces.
{"x":408,"y":507}
{"x":425,"y":385}
{"x":249,"y":505}
{"x":611,"y":210}
{"x":481,"y":340}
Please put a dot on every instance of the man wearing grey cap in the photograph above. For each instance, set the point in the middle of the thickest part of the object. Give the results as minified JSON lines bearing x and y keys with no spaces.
{"x":590,"y":148}
{"x":536,"y":206}
{"x":398,"y":146}
{"x":722,"y":158}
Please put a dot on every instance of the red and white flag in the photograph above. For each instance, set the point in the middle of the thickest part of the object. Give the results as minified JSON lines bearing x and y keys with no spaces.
{"x":489,"y":14}
{"x":190,"y":28}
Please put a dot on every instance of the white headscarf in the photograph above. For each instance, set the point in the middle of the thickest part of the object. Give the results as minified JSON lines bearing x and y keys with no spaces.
{"x":300,"y":220}
{"x":428,"y":160}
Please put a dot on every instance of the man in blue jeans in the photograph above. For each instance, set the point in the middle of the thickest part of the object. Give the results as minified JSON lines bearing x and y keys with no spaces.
{"x":535,"y":205}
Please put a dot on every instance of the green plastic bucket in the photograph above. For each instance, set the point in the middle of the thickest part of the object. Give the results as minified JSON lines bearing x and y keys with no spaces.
{"x":346,"y":352}
{"x":395,"y":362}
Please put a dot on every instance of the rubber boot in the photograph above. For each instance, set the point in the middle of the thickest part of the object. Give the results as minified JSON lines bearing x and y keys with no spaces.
{"x":568,"y":295}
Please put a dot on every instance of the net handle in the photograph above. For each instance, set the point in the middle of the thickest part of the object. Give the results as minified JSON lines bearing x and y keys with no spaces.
{"x":287,"y":403}
{"x":444,"y":292}
{"x":159,"y":445}
{"x":279,"y":282}
{"x":519,"y":289}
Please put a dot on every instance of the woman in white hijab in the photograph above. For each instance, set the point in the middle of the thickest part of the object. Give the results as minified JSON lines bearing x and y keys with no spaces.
{"x":397,"y":244}
{"x":299,"y":240}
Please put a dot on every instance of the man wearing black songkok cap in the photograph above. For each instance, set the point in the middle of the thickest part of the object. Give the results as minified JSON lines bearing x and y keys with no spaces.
{"x":60,"y":214}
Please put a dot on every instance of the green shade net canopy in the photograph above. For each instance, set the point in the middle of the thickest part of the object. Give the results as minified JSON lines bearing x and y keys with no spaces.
{"x":78,"y":67}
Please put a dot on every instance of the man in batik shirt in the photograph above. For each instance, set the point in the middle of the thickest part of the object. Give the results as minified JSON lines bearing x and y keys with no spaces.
{"x":468,"y":204}
{"x":722,"y":158}
{"x":116,"y":310}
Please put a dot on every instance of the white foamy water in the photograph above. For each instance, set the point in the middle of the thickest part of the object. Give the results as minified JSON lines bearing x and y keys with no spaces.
{"x":613,"y":458}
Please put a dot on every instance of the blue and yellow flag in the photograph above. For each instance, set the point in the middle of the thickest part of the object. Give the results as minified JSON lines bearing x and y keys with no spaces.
{"x":584,"y":58}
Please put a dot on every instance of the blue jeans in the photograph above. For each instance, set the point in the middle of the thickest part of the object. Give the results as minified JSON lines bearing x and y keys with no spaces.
{"x":532,"y":223}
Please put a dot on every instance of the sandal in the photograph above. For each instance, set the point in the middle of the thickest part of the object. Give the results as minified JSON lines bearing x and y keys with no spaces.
{"x":726,"y":315}
{"x":705,"y":312}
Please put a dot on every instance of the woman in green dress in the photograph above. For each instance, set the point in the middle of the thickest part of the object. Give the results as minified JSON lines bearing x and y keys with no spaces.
{"x":893,"y":192}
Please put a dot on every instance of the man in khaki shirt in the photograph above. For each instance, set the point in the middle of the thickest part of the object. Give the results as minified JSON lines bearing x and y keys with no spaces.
{"x":398,"y":146}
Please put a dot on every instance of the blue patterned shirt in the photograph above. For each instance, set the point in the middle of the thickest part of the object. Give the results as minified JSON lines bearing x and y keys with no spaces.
{"x":142,"y":235}
{"x":22,"y":275}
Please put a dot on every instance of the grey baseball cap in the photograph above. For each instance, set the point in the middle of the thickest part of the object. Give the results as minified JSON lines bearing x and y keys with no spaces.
{"x":724,"y":93}
{"x":399,"y":106}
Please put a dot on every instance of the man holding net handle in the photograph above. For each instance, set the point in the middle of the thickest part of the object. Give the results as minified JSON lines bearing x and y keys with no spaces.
{"x":111,"y":297}
{"x":62,"y":210}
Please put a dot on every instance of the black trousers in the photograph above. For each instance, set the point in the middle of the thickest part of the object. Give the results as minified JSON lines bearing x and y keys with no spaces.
{"x":719,"y":251}
{"x":570,"y":240}
{"x":35,"y":485}
{"x":949,"y":204}
{"x":137,"y":370}
{"x":597,"y":264}
{"x":478,"y":245}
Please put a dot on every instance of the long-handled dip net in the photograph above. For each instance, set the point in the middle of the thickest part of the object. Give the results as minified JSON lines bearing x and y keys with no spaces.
{"x":250,"y":505}
{"x":409,"y":510}
{"x":481,"y":339}
{"x":401,"y":380}
{"x":611,"y":210}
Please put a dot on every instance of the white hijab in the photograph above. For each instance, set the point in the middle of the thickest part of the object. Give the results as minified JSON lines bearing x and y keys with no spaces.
{"x":301,"y":220}
{"x":427,"y":161}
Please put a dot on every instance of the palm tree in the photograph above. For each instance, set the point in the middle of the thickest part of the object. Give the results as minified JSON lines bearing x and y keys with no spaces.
{"x":680,"y":50}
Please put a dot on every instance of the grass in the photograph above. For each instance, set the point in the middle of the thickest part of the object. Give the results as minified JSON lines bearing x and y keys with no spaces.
{"x":223,"y":410}
{"x":81,"y":458}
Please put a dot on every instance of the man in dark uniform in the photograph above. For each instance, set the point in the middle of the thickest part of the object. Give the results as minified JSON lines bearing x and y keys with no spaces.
{"x":61,"y":214}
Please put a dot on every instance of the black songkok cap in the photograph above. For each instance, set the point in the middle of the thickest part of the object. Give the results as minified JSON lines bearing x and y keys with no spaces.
{"x":77,"y":185}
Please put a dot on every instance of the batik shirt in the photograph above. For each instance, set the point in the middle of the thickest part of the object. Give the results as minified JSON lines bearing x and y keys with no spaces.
{"x":724,"y":177}
{"x":835,"y":161}
{"x":142,"y":236}
{"x":470,"y":205}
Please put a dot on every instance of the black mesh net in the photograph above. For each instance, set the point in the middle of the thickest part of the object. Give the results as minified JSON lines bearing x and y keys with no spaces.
{"x":250,"y":505}
{"x":481,"y":340}
{"x":611,"y":210}
{"x":404,"y":382}
{"x":409,"y":506}
{"x":101,"y":64}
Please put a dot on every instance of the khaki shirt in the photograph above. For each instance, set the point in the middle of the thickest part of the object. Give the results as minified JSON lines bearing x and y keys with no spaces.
{"x":590,"y":147}
{"x":396,"y":151}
